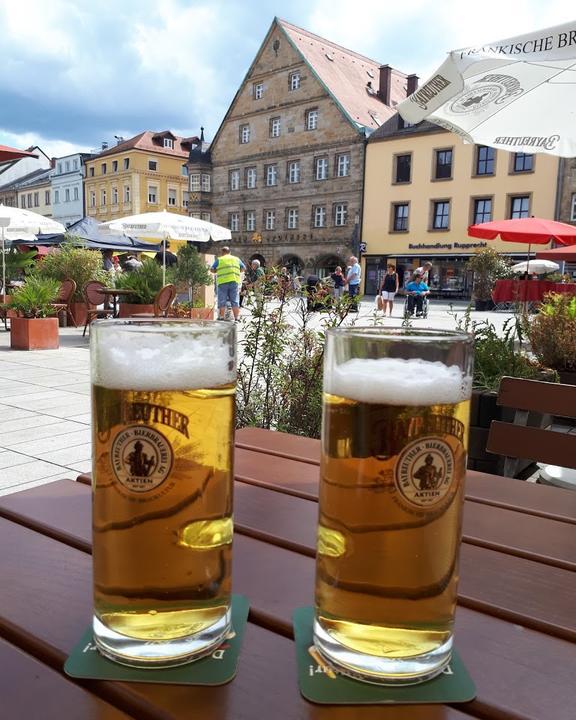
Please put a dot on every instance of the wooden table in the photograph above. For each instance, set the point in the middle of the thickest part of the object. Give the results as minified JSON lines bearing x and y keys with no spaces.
{"x":515,"y":627}
{"x":115,"y":294}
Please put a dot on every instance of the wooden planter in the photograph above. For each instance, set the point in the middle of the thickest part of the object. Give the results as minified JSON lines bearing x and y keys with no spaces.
{"x":34,"y":333}
{"x":128,"y":309}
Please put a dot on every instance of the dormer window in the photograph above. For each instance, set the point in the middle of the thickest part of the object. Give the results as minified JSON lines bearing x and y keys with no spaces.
{"x":169,"y":143}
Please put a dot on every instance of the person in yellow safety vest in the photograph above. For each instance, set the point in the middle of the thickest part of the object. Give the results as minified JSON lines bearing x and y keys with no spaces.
{"x":227,"y":269}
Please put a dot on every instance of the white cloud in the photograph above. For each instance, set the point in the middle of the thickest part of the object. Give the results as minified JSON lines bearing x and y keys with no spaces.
{"x":52,"y":148}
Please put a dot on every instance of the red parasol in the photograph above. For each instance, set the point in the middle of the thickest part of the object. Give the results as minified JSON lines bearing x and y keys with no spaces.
{"x":566,"y":254}
{"x":10,"y":153}
{"x":532,"y":230}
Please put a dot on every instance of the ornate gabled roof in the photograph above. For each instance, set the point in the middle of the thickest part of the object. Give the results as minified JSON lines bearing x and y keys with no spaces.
{"x":151,"y":142}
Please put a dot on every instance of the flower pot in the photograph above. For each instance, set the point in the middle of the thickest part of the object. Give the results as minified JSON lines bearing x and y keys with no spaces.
{"x":206,"y":313}
{"x":34,"y":333}
{"x":79,"y":312}
{"x":128,"y":309}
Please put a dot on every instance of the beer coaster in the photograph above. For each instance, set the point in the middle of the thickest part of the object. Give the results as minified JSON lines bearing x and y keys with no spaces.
{"x":217,"y":669}
{"x":325,"y":686}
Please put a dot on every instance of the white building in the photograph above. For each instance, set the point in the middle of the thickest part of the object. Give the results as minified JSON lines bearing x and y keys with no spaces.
{"x":68,"y":188}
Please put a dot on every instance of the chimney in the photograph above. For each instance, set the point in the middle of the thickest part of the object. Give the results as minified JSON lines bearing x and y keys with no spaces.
{"x":411,"y":84}
{"x":385,"y":85}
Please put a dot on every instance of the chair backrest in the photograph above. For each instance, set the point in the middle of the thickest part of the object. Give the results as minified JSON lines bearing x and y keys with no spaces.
{"x":516,"y":440}
{"x":92,"y":292}
{"x":66,"y":292}
{"x":164,"y":298}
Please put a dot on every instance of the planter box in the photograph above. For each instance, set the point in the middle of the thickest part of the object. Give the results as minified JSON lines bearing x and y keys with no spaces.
{"x":34,"y":333}
{"x":128,"y":309}
{"x":79,"y":312}
{"x":206,"y":313}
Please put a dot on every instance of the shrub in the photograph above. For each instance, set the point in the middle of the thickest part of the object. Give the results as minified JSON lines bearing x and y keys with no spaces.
{"x":34,"y":298}
{"x":78,"y":264}
{"x":143,"y":283}
{"x":552,"y":332}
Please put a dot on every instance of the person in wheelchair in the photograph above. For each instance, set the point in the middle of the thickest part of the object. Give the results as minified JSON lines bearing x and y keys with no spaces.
{"x":416,"y":296}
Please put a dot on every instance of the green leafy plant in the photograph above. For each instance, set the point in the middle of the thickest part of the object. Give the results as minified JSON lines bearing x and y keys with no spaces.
{"x":77,"y":263}
{"x":143,"y":283}
{"x":34,"y":298}
{"x":488,"y":266}
{"x":191,"y":270}
{"x":19,"y":264}
{"x":552,"y":332}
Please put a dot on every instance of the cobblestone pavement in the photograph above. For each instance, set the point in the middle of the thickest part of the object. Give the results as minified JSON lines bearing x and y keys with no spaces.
{"x":45,"y":400}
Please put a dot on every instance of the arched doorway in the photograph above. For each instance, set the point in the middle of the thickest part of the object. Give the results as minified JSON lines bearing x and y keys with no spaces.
{"x":293,"y":263}
{"x":325,"y":265}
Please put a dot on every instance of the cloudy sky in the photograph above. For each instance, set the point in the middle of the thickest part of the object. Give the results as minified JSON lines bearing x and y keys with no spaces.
{"x":76,"y":72}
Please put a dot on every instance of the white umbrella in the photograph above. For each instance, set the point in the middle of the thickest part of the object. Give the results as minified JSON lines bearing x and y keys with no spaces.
{"x":540,"y":267}
{"x":167,"y":226}
{"x":517,"y":94}
{"x":18,"y":224}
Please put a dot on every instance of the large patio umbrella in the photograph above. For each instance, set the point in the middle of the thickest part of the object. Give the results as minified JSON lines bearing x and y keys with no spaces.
{"x":561,"y":254}
{"x":10,"y":153}
{"x":18,"y":224}
{"x":89,"y":234}
{"x":164,"y":226}
{"x":540,"y":267}
{"x":517,"y":94}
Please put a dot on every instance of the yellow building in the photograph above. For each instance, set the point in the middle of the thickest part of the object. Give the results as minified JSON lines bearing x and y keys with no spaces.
{"x":423,"y":187}
{"x":34,"y":193}
{"x":144,"y":174}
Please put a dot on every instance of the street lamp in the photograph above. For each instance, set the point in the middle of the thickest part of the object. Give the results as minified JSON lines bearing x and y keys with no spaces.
{"x":4,"y":222}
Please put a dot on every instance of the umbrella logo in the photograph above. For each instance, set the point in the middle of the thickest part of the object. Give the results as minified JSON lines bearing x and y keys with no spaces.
{"x":496,"y":89}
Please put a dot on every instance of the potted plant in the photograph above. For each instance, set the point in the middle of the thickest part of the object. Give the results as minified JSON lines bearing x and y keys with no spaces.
{"x":192,"y":272}
{"x":488,"y":266}
{"x":552,"y":334}
{"x":36,"y":325}
{"x":78,"y":264}
{"x":143,"y":285}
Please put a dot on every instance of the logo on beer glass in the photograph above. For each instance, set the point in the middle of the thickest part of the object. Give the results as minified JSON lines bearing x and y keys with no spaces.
{"x":424,"y":471}
{"x":141,"y":458}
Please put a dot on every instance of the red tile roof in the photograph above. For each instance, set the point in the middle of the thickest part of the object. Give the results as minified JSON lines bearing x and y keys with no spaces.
{"x":346,"y":75}
{"x":145,"y":141}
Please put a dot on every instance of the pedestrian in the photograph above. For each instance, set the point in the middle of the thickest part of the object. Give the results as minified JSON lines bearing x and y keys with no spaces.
{"x":339,"y":282}
{"x":424,"y":272}
{"x":353,"y":277}
{"x":389,"y":288}
{"x":132,"y":264}
{"x":227,"y":269}
{"x":171,"y":259}
{"x":416,"y":290}
{"x":107,"y":261}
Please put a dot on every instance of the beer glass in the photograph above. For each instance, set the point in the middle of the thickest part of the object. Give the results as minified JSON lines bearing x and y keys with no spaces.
{"x":394,"y":441}
{"x":163,"y":396}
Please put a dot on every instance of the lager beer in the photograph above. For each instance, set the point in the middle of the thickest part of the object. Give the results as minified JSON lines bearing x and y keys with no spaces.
{"x":394,"y":446}
{"x":163,"y":409}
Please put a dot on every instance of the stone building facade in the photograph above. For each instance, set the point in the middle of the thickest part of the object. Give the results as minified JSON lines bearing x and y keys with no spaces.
{"x":566,"y":207}
{"x":285,"y":169}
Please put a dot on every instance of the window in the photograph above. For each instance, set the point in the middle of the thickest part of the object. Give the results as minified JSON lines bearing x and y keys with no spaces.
{"x":258,"y":91}
{"x":271,"y":175}
{"x":91,"y":171}
{"x":126,"y":193}
{"x":343,"y":165}
{"x":400,"y":217}
{"x":485,"y":157}
{"x":126,"y":163}
{"x":441,"y":215}
{"x":519,"y":207}
{"x":321,"y":168}
{"x":244,"y":134}
{"x":443,"y":170}
{"x":103,"y":169}
{"x":169,"y":143}
{"x":114,"y":196}
{"x":152,"y":165}
{"x":573,"y":208}
{"x":29,"y":199}
{"x":250,"y":177}
{"x":311,"y":119}
{"x":205,"y":216}
{"x":115,"y":166}
{"x":47,"y":197}
{"x":234,"y":221}
{"x":294,"y":171}
{"x":92,"y":198}
{"x":270,"y":218}
{"x":67,"y":164}
{"x":523,"y":162}
{"x":195,"y":182}
{"x":172,"y":197}
{"x":60,"y":168}
{"x":76,"y":194}
{"x":292,"y":218}
{"x":294,"y":80}
{"x":340,"y":214}
{"x":184,"y":170}
{"x":37,"y":198}
{"x":23,"y":201}
{"x":250,"y":220}
{"x":56,"y":197}
{"x":320,"y":216}
{"x":67,"y":195}
{"x":152,"y":195}
{"x":274,"y":127}
{"x":482,"y":210}
{"x":403,"y":169}
{"x":205,"y":182}
{"x":75,"y":164}
{"x":185,"y":198}
{"x":234,"y":179}
{"x":103,"y":197}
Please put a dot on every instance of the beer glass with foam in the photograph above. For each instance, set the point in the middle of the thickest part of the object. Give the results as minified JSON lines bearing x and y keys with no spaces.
{"x":394,"y":442}
{"x":163,"y":437}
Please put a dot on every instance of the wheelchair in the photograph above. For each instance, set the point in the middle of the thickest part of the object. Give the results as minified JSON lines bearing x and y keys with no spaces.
{"x":424,"y":314}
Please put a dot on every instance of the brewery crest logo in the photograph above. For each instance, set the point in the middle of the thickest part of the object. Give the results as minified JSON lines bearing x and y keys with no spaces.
{"x":491,"y":89}
{"x":141,"y":458}
{"x":424,"y":472}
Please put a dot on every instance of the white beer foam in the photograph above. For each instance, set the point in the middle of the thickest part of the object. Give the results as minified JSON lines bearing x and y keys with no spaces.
{"x":140,"y":360}
{"x":394,"y":381}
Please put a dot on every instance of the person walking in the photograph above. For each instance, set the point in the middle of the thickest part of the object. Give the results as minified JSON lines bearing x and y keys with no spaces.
{"x":353,"y":277}
{"x":227,"y":269}
{"x":388,"y":289}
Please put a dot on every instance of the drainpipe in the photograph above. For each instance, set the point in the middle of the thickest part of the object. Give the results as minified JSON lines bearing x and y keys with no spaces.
{"x":559,"y":188}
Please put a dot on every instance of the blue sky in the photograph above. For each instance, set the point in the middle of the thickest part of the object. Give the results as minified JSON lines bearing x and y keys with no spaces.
{"x":76,"y":72}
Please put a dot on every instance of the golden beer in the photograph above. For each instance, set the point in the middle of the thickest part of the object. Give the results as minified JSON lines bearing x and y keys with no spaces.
{"x":391,"y":493}
{"x":162,"y":518}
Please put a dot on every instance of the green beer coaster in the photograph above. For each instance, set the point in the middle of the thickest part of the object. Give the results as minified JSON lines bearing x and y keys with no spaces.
{"x":331,"y":688}
{"x":217,"y":669}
